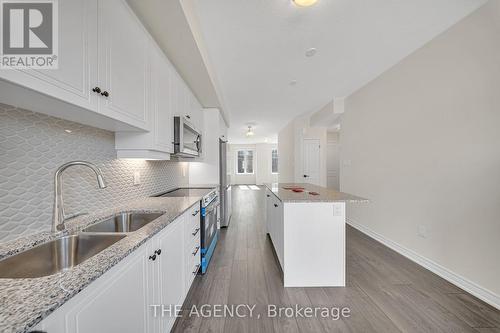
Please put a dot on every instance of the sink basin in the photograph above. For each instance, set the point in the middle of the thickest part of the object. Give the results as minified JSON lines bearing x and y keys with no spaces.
{"x":55,"y":256}
{"x":124,"y":222}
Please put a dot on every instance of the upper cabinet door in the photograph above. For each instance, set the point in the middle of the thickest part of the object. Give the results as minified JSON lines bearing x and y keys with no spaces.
{"x":161,"y":99}
{"x":77,"y":71}
{"x":123,"y":64}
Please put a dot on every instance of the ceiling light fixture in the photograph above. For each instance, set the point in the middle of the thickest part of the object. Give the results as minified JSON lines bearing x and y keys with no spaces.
{"x":249,"y":132}
{"x":304,"y":3}
{"x":310,"y":52}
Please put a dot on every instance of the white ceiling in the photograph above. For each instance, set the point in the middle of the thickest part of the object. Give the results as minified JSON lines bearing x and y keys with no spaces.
{"x":257,"y":47}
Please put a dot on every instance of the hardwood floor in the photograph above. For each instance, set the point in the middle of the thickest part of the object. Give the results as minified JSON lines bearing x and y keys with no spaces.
{"x":385,"y":291}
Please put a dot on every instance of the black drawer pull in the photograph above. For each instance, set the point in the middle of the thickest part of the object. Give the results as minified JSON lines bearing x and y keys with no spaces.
{"x":196,"y":212}
{"x":195,"y":232}
{"x":196,"y":250}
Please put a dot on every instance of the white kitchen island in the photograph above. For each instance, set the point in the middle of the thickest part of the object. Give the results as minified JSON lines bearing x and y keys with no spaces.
{"x":307,"y":230}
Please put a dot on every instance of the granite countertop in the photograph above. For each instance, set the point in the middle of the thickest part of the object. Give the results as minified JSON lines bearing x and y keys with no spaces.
{"x":323,"y":194}
{"x":25,"y":302}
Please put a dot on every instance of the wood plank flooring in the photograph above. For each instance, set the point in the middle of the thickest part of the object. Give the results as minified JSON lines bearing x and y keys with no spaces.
{"x":385,"y":291}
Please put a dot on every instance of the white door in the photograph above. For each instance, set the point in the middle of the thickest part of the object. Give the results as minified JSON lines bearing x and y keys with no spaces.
{"x":77,"y":71}
{"x":332,"y":166}
{"x":123,"y":64}
{"x":311,"y":164}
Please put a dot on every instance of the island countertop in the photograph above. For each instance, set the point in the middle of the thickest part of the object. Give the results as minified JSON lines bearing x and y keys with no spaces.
{"x":310,"y":193}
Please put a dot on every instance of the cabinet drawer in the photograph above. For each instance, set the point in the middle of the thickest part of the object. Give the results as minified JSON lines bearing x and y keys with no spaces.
{"x":192,"y":269}
{"x":192,"y":233}
{"x":192,"y":248}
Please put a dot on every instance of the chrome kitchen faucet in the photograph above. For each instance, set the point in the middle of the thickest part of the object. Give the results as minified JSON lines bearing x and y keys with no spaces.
{"x":59,"y":215}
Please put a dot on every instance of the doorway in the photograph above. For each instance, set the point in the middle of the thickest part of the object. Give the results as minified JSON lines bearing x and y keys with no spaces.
{"x":311,"y":161}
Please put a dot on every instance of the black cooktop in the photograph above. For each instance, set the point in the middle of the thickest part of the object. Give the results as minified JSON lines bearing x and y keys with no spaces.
{"x":187,"y":192}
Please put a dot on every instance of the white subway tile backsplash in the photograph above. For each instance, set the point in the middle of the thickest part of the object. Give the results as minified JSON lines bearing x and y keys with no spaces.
{"x":33,"y":146}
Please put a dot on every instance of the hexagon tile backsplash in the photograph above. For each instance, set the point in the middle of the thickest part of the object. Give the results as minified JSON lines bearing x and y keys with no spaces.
{"x":33,"y":146}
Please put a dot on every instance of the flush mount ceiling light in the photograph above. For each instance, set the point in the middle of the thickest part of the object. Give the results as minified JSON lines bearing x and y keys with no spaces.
{"x":249,"y":132}
{"x":304,"y":3}
{"x":311,"y":52}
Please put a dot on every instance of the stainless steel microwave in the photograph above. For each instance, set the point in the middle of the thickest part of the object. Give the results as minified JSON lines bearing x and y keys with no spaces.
{"x":187,"y":139}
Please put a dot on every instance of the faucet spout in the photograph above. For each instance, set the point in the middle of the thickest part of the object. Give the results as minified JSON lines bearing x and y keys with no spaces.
{"x":59,"y":214}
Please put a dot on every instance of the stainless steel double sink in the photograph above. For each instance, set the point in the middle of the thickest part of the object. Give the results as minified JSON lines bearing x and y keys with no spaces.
{"x":66,"y":252}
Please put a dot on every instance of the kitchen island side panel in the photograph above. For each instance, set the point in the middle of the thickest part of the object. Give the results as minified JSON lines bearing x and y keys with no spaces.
{"x":314,"y":244}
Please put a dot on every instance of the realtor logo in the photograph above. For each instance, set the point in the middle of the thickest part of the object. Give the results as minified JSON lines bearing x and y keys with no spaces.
{"x":29,"y":34}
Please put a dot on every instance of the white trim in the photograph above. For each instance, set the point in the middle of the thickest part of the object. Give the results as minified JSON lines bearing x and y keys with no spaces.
{"x":452,"y":277}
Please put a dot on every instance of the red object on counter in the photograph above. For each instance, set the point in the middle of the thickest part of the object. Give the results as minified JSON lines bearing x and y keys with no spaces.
{"x":298,"y":190}
{"x":313,"y":193}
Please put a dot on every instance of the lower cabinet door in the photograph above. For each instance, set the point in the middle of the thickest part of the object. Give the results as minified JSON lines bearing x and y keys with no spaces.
{"x":116,"y":302}
{"x":119,"y":306}
{"x":171,"y":274}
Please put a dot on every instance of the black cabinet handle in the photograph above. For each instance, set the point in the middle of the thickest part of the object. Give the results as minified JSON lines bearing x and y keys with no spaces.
{"x":105,"y":94}
{"x":196,"y":250}
{"x":195,"y":232}
{"x":158,"y":252}
{"x":305,"y":176}
{"x":267,"y":195}
{"x":153,"y":257}
{"x":188,"y":116}
{"x":195,"y":213}
{"x":196,"y":268}
{"x":275,"y":205}
{"x":97,"y":90}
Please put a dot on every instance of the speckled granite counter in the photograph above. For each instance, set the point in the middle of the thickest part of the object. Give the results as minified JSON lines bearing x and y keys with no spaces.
{"x":25,"y":302}
{"x":323,"y":194}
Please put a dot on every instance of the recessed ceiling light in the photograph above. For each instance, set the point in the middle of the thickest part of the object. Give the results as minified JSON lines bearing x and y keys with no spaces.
{"x":305,"y":3}
{"x":310,"y":52}
{"x":68,"y":131}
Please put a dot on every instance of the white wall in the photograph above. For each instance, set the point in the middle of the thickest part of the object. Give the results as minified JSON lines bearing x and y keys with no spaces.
{"x":264,"y":163}
{"x":290,"y":149}
{"x":286,"y":154}
{"x":333,"y":161}
{"x":231,"y":165}
{"x":422,"y":142}
{"x":206,"y":170}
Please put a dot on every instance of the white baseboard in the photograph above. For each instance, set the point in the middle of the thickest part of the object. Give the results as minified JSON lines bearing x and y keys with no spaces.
{"x":452,"y":277}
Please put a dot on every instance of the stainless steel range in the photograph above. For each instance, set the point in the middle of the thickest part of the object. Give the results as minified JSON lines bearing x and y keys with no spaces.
{"x":209,"y":206}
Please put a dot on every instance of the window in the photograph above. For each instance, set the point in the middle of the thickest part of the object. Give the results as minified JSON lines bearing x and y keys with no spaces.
{"x":274,"y":161}
{"x":244,"y":162}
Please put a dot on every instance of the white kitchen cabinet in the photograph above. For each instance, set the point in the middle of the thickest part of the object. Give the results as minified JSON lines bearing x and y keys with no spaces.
{"x":109,"y":304}
{"x":186,"y":104}
{"x":275,"y":225}
{"x":192,"y":240}
{"x":77,"y":70}
{"x":120,"y":300}
{"x":158,"y":142}
{"x":170,"y":273}
{"x":123,"y":64}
